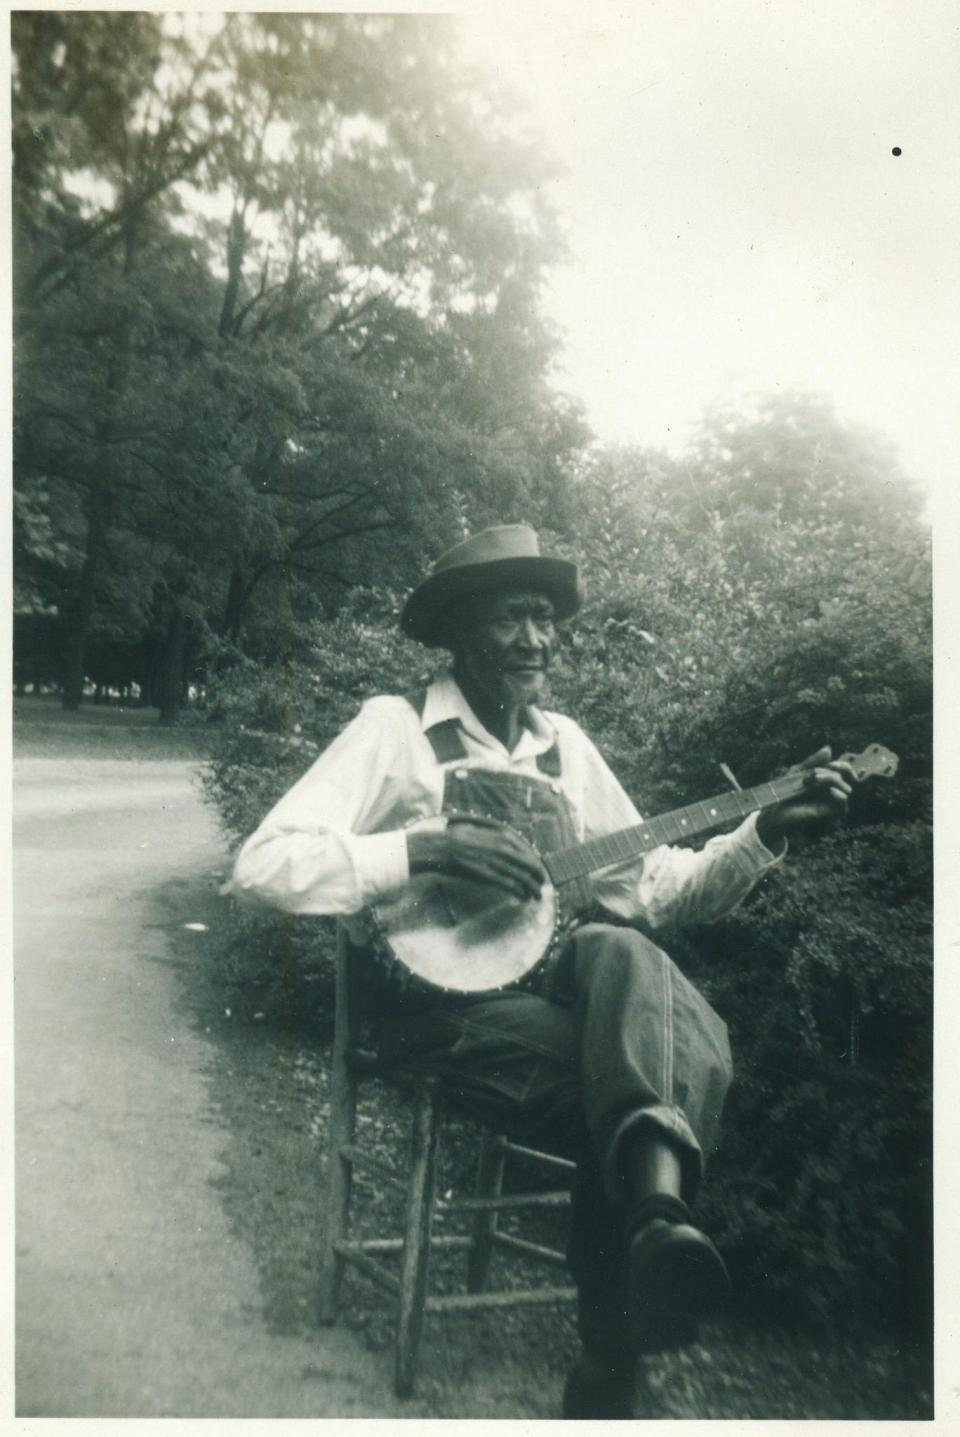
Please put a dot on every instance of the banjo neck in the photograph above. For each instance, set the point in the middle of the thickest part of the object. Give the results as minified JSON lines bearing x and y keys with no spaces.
{"x":566,"y":864}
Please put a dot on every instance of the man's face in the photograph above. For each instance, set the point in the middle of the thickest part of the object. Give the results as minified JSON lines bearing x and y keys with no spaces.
{"x":506,"y":646}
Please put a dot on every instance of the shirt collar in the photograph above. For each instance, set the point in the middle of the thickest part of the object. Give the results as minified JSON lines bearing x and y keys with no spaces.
{"x":445,"y":701}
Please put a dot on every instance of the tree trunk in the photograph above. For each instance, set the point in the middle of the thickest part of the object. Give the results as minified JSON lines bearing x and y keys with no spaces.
{"x":99,"y":499}
{"x":233,"y":609}
{"x":171,"y":669}
{"x":236,"y":250}
{"x":78,"y":630}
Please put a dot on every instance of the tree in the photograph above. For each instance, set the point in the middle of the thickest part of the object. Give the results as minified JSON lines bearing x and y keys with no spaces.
{"x":136,"y":130}
{"x":278,"y":321}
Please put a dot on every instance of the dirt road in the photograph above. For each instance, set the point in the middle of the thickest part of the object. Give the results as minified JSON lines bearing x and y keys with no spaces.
{"x":136,"y":1296}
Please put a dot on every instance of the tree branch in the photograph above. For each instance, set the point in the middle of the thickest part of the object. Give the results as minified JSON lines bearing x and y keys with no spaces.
{"x":118,"y":218}
{"x":334,"y":538}
{"x":328,"y":517}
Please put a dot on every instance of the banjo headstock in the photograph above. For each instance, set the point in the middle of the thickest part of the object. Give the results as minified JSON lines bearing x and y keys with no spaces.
{"x":875,"y":762}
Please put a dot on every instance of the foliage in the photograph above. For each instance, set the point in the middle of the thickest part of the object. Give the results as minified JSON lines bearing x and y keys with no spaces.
{"x":277,"y":284}
{"x":275,"y":719}
{"x":715,"y":635}
{"x":40,"y":538}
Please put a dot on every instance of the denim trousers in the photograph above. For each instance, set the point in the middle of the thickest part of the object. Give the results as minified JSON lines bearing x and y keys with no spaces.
{"x":623,"y":1046}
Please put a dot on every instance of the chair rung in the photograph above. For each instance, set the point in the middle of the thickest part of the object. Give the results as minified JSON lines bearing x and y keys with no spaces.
{"x":498,"y":1204}
{"x":395,"y":1244}
{"x":363,"y":1061}
{"x":550,"y":1160}
{"x":523,"y":1297}
{"x":371,"y":1166}
{"x":527,"y":1248}
{"x":352,"y":1252}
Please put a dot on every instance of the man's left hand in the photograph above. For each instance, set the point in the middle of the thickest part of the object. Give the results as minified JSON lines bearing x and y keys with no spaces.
{"x":823,"y":800}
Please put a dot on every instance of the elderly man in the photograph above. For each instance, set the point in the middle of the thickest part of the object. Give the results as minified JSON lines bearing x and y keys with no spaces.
{"x":609,"y":1054}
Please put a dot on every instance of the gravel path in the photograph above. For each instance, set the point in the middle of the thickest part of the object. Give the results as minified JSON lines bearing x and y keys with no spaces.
{"x":135,"y":1295}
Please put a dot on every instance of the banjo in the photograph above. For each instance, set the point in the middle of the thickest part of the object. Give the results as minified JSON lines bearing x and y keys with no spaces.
{"x":469,"y":937}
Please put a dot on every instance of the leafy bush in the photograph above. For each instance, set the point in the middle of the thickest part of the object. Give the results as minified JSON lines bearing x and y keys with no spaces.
{"x":695,"y":650}
{"x":275,"y":719}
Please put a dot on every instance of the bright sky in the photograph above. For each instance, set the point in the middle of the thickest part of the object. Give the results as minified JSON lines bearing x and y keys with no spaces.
{"x":736,"y":219}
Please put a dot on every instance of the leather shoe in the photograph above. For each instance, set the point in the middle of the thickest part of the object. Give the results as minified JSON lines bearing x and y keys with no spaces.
{"x":597,"y":1389}
{"x":677,"y":1277}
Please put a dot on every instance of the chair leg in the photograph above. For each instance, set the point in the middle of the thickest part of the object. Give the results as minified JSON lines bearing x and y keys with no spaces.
{"x":339,"y":1182}
{"x":489,"y":1184}
{"x":416,"y":1242}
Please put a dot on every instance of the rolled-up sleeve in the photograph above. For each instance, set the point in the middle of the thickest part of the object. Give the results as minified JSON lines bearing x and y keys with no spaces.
{"x":680,"y":886}
{"x":670,"y":886}
{"x":319,"y":850}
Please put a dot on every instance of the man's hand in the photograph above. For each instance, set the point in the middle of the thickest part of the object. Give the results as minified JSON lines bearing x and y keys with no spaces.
{"x":823,"y":800}
{"x":479,"y":853}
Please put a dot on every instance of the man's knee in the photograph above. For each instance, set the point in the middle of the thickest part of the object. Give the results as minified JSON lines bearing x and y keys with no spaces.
{"x":610,"y":945}
{"x":512,"y":1060}
{"x":623,"y":966}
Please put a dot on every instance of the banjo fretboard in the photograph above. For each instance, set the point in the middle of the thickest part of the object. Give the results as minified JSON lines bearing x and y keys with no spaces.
{"x":565,"y":864}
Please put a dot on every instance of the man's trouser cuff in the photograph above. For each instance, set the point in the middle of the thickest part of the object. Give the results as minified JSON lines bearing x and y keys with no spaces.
{"x":660,"y":1121}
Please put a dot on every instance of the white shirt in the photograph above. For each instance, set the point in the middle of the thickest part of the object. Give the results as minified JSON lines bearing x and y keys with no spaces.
{"x":335,"y":842}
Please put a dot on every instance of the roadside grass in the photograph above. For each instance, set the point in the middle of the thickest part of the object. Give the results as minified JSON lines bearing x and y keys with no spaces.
{"x":266,"y":1010}
{"x":42,"y":729}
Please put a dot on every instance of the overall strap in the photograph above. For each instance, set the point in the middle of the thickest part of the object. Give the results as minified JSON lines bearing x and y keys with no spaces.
{"x":444,"y":738}
{"x":417,"y":701}
{"x":549,"y":762}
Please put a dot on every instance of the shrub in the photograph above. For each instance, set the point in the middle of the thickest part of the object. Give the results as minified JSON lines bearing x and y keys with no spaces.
{"x":820,"y":1194}
{"x":273,"y":720}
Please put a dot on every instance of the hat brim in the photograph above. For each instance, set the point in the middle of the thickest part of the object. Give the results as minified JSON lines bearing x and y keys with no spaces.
{"x":424,"y":612}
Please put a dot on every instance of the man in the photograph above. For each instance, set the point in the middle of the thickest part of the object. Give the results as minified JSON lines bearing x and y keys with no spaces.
{"x":611,"y":1055}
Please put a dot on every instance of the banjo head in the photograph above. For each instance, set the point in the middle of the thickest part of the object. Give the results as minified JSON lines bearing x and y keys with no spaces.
{"x":465,"y":937}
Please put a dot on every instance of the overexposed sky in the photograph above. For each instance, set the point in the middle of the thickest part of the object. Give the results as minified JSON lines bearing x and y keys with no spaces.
{"x":736,"y":219}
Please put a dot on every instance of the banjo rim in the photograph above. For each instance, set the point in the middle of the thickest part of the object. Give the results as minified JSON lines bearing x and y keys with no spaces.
{"x":436,"y":822}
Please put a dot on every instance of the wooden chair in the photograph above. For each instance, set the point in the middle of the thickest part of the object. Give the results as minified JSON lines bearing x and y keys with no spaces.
{"x":409,"y":1285}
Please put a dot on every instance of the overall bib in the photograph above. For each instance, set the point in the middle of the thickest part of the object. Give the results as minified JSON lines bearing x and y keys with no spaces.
{"x":610,"y":1038}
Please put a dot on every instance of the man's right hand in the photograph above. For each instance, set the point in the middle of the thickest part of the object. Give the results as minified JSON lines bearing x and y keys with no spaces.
{"x":480,"y":854}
